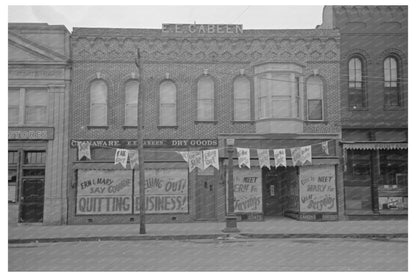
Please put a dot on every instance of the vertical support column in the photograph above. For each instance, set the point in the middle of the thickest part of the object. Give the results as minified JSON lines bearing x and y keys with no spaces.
{"x":230,"y":219}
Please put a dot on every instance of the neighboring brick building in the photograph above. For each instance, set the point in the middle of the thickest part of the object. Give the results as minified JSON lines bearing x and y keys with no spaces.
{"x":202,"y":84}
{"x":374,"y":101}
{"x":38,"y":97}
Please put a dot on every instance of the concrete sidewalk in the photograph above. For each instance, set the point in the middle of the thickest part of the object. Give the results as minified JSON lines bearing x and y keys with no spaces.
{"x":270,"y":228}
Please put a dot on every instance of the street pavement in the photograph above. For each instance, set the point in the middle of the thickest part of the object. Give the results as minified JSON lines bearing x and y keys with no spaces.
{"x":290,"y":254}
{"x":269,"y":228}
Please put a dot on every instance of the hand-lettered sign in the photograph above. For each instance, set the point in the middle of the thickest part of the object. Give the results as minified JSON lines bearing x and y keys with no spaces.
{"x":166,"y":191}
{"x":104,"y":192}
{"x":317,"y":189}
{"x":247,"y":191}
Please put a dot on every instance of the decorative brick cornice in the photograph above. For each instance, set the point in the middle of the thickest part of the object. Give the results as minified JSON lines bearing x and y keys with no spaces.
{"x":206,"y":49}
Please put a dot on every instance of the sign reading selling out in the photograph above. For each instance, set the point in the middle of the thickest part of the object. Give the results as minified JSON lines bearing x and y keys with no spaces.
{"x":202,"y":28}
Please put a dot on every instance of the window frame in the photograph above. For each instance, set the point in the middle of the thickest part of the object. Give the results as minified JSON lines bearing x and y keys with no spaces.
{"x":355,"y":90}
{"x":22,"y":106}
{"x":126,"y":105}
{"x":389,"y":90}
{"x":100,"y":104}
{"x":248,"y":99}
{"x":321,"y":99}
{"x":162,"y":106}
{"x":212,"y":100}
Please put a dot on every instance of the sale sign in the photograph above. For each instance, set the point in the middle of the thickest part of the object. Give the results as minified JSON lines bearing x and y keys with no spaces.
{"x":247,"y":191}
{"x":166,"y":191}
{"x":317,"y":189}
{"x":104,"y":192}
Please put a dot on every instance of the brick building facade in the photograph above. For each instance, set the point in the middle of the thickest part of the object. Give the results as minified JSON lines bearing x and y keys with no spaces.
{"x":203,"y":84}
{"x":373,"y":88}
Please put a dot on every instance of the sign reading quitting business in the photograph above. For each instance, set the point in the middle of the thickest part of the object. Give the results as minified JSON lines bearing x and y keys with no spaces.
{"x":202,"y":28}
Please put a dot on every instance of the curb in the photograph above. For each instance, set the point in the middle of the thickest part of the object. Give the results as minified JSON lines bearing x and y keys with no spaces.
{"x":221,"y":236}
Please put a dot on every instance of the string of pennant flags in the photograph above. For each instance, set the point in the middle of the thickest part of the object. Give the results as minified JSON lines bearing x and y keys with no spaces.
{"x":206,"y":158}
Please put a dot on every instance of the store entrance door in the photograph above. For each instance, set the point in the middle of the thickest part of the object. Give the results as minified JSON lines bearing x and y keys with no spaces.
{"x":272,"y":195}
{"x":205,"y":197}
{"x":31,"y":207}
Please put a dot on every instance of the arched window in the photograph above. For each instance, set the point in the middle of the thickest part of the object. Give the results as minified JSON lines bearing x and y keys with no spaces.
{"x":357,"y":98}
{"x":167,"y":111}
{"x":241,"y":95}
{"x":98,"y":106}
{"x":391,"y":86}
{"x":314,"y":91}
{"x":131,"y":95}
{"x":205,"y":99}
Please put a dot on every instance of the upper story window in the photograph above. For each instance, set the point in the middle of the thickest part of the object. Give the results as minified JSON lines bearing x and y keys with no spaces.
{"x":242,"y":101}
{"x":205,"y":99}
{"x":28,"y":106}
{"x":131,"y":97}
{"x":314,"y":91}
{"x":167,"y":108}
{"x":357,"y":98}
{"x":391,"y":85}
{"x":36,"y":106}
{"x":275,"y":92}
{"x":98,"y":106}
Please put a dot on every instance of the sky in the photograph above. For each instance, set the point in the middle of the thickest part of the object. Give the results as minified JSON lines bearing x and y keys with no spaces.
{"x":251,"y":16}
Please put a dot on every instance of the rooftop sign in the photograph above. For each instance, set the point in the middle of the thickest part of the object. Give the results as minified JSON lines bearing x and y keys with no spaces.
{"x":202,"y":28}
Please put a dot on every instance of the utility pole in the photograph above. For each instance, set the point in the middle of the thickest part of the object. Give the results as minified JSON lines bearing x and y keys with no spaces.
{"x":140,"y":122}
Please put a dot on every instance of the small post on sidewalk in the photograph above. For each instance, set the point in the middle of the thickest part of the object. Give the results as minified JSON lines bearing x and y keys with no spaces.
{"x":140,"y":122}
{"x":230,"y":219}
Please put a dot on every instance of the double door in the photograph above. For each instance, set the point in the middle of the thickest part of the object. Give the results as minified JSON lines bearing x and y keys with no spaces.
{"x":27,"y":183}
{"x":205,"y":197}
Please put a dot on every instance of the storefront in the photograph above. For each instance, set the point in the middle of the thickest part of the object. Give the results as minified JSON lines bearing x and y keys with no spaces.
{"x":375,"y":178}
{"x":105,"y":192}
{"x":308,"y":191}
{"x":38,"y":101}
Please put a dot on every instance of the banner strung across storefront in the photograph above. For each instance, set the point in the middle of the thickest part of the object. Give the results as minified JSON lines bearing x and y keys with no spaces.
{"x":247,"y":191}
{"x":317,"y":189}
{"x":104,"y":192}
{"x":166,"y":191}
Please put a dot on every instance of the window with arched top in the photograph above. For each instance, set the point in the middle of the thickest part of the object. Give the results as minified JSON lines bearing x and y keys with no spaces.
{"x":391,"y":84}
{"x":167,"y":108}
{"x":356,"y":91}
{"x":98,"y":103}
{"x":242,"y":101}
{"x":314,"y":92}
{"x":131,"y":99}
{"x":205,"y":99}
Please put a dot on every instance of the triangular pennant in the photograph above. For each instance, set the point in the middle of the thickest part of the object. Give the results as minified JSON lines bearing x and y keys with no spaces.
{"x":134,"y":158}
{"x":325,"y":147}
{"x":184,"y":155}
{"x":296,"y":155}
{"x":306,"y":154}
{"x":243,"y":157}
{"x":264,"y":157}
{"x":195,"y":160}
{"x":121,"y":157}
{"x":84,"y":149}
{"x":279,"y":157}
{"x":211,"y":158}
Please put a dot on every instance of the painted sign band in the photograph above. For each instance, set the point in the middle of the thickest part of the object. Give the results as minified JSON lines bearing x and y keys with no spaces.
{"x":202,"y":28}
{"x":149,"y":143}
